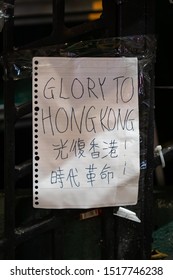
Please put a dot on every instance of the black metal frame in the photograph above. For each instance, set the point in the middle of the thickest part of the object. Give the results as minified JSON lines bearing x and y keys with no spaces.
{"x":111,"y":23}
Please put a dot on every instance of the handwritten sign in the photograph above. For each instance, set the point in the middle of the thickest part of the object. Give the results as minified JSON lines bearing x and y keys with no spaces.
{"x":85,"y":132}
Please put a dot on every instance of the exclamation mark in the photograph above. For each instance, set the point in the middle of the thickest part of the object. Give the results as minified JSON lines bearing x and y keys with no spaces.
{"x":124,"y":171}
{"x":125,"y":144}
{"x":125,"y":164}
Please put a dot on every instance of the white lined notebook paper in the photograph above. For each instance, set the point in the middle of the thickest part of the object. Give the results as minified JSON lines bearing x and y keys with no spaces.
{"x":85,"y":132}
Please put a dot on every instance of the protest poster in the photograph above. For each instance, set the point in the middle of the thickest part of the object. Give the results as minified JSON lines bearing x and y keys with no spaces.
{"x":85,"y":132}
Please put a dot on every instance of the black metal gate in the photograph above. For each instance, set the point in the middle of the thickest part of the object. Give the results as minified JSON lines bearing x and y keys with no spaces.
{"x":27,"y":233}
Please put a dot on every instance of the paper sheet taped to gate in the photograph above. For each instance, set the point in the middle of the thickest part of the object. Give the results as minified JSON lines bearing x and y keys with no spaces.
{"x":85,"y":132}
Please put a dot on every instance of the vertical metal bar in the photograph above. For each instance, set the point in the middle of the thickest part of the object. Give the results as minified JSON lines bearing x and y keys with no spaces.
{"x":9,"y":138}
{"x":109,"y":16}
{"x":108,"y":230}
{"x":150,"y":16}
{"x":8,"y":25}
{"x":147,"y":201}
{"x":118,"y":16}
{"x":58,"y":18}
{"x":147,"y":191}
{"x":57,"y":237}
{"x":58,"y":30}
